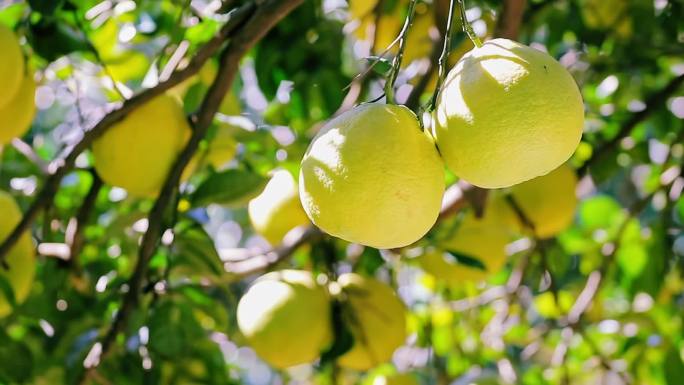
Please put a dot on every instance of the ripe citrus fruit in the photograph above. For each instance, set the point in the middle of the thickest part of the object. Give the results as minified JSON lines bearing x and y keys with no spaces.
{"x":548,"y":201}
{"x":277,"y":210}
{"x":371,"y":176}
{"x":138,"y":152}
{"x":21,"y":258}
{"x":376,"y":318}
{"x":481,"y":240}
{"x":607,"y":15}
{"x":16,"y":116}
{"x":507,"y":113}
{"x":285,"y":317}
{"x":11,"y":65}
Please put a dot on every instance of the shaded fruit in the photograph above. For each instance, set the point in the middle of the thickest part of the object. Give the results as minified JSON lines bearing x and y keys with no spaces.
{"x":507,"y":113}
{"x":138,"y":152}
{"x":16,"y":116}
{"x":607,"y":15}
{"x":11,"y":65}
{"x":371,"y":176}
{"x":277,"y":210}
{"x":21,"y":258}
{"x":285,"y":317}
{"x":548,"y":201}
{"x":220,"y":150}
{"x":376,"y":318}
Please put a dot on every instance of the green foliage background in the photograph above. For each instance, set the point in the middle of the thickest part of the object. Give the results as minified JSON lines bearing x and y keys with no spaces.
{"x":184,"y":329}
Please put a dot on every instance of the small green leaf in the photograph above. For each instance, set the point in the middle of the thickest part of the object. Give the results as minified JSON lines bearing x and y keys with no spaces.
{"x":194,"y":251}
{"x":467,"y":260}
{"x":674,"y":368}
{"x":381,"y":65}
{"x":7,"y":291}
{"x":231,"y":188}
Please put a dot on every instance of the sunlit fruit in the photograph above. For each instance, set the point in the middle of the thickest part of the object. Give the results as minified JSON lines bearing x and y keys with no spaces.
{"x":371,"y":176}
{"x":507,"y":113}
{"x":475,"y":251}
{"x":20,"y":259}
{"x":548,"y":201}
{"x":16,"y":116}
{"x":395,"y":379}
{"x":277,"y":210}
{"x":376,"y":318}
{"x":361,"y":8}
{"x":285,"y":317}
{"x":138,"y":152}
{"x":11,"y":65}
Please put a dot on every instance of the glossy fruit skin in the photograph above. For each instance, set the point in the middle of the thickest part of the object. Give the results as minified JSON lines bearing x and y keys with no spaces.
{"x":16,"y":116}
{"x":507,"y":113}
{"x":277,"y":210}
{"x":138,"y":152}
{"x":285,"y":317}
{"x":376,"y":318}
{"x":371,"y":176}
{"x":548,"y":201}
{"x":21,"y":258}
{"x":11,"y":65}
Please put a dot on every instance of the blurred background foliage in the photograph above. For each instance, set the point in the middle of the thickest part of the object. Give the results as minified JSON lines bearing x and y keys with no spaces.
{"x":88,"y":55}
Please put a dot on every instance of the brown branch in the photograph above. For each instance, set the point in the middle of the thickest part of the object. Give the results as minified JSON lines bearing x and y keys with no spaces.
{"x":653,"y":103}
{"x":508,"y":23}
{"x":60,"y":167}
{"x":75,"y":238}
{"x":262,"y":19}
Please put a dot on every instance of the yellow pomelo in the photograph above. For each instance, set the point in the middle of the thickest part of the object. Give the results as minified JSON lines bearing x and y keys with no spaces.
{"x":548,"y":201}
{"x":376,"y":318}
{"x":277,"y":210}
{"x":607,"y":15}
{"x":371,"y":176}
{"x":361,"y":8}
{"x":16,"y":116}
{"x":285,"y":317}
{"x":507,"y":113}
{"x":11,"y":65}
{"x":21,"y":258}
{"x":220,"y":150}
{"x":395,"y":379}
{"x":138,"y":152}
{"x":478,"y":239}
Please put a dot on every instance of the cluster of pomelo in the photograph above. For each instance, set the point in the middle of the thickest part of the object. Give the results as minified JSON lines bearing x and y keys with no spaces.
{"x":288,"y":319}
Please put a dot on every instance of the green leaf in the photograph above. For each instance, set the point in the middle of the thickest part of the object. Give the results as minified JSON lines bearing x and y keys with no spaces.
{"x":46,"y":7}
{"x":674,"y":368}
{"x":381,"y":65}
{"x":466,"y":260}
{"x":7,"y":291}
{"x":194,"y":249}
{"x":231,"y":188}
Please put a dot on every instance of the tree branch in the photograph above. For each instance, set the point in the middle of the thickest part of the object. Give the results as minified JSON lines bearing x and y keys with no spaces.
{"x":266,"y":15}
{"x":654,"y":102}
{"x":508,"y":23}
{"x":60,"y":167}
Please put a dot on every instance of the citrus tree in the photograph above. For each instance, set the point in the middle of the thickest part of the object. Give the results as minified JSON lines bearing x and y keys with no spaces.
{"x":327,"y":192}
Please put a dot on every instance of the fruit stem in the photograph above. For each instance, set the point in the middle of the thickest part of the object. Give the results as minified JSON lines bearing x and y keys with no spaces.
{"x":446,"y":48}
{"x":467,"y":28}
{"x":396,"y":63}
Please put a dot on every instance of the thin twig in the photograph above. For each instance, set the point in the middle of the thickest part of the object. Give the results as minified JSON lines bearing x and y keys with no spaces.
{"x":266,"y":15}
{"x":653,"y":103}
{"x":444,"y":56}
{"x":396,"y":63}
{"x":75,"y":239}
{"x":61,"y":167}
{"x":27,"y":151}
